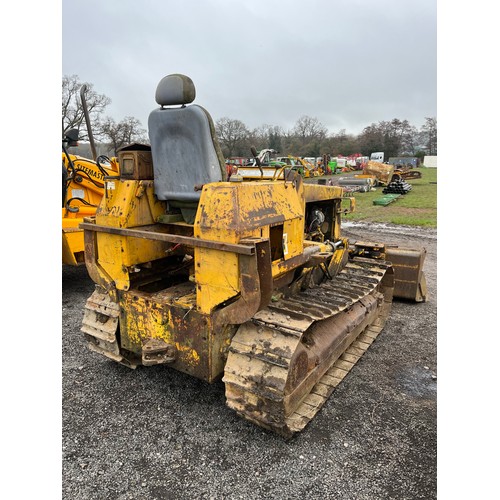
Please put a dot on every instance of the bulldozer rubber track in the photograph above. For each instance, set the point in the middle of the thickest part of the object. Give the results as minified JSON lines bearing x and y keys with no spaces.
{"x":260,"y":355}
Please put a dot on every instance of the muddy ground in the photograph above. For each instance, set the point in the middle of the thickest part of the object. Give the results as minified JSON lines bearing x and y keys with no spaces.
{"x":154,"y":433}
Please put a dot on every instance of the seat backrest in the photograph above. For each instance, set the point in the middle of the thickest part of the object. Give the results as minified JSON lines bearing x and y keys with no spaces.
{"x":184,"y":146}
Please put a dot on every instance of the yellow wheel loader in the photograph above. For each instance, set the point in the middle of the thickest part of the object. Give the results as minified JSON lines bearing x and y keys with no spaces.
{"x":82,"y":189}
{"x":248,"y":281}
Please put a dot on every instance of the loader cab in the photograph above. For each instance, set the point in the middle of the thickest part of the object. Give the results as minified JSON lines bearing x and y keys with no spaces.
{"x":184,"y":147}
{"x":71,"y":138}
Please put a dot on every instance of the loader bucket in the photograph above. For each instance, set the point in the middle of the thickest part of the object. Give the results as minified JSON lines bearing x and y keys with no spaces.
{"x":409,"y":278}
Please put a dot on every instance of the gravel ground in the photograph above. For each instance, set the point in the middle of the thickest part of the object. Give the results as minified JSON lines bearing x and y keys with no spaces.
{"x":154,"y":433}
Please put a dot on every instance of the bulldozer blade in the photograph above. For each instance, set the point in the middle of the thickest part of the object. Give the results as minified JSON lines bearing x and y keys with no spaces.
{"x":409,"y":279}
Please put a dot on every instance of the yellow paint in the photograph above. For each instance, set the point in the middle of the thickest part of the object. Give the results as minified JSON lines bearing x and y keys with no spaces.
{"x":72,"y":244}
{"x":81,"y":187}
{"x":92,"y":191}
{"x":231,"y":212}
{"x":217,"y":277}
{"x":127,"y":204}
{"x":317,"y":192}
{"x":294,"y":229}
{"x":338,"y":255}
{"x":191,"y":357}
{"x":146,"y":319}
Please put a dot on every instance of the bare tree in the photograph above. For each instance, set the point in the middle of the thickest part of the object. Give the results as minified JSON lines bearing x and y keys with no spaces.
{"x":308,"y":128}
{"x":232,"y":135}
{"x":267,"y":137}
{"x":123,"y":133}
{"x":308,"y":136}
{"x":72,"y":109}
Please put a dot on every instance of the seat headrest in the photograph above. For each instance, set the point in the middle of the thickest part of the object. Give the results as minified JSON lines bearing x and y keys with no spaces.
{"x":175,"y":89}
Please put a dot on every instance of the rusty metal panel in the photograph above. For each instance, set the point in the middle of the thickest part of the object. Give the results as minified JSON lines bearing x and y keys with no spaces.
{"x":409,"y":279}
{"x":231,"y":211}
{"x":145,"y":316}
{"x":382,"y":172}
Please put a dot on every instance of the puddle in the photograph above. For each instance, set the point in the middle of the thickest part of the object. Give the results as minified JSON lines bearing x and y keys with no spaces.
{"x":417,"y":382}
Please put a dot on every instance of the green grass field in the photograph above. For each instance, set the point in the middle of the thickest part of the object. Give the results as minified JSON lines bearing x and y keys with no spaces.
{"x":416,"y":208}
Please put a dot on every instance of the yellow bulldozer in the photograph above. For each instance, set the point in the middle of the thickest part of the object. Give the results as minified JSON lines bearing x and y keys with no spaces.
{"x":384,"y":173}
{"x":251,"y":282}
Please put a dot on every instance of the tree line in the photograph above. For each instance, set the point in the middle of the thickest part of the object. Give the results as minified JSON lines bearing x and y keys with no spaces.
{"x":308,"y":137}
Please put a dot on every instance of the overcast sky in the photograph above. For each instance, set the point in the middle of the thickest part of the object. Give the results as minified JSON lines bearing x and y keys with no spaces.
{"x":348,"y":63}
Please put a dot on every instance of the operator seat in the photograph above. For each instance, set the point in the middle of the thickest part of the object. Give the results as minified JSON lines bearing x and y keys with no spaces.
{"x":184,"y":146}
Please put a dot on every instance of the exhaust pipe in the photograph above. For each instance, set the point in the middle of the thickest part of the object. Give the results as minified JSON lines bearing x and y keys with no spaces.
{"x":83,"y":89}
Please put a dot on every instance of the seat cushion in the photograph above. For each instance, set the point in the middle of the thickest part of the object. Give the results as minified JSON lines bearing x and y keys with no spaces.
{"x":185,"y":152}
